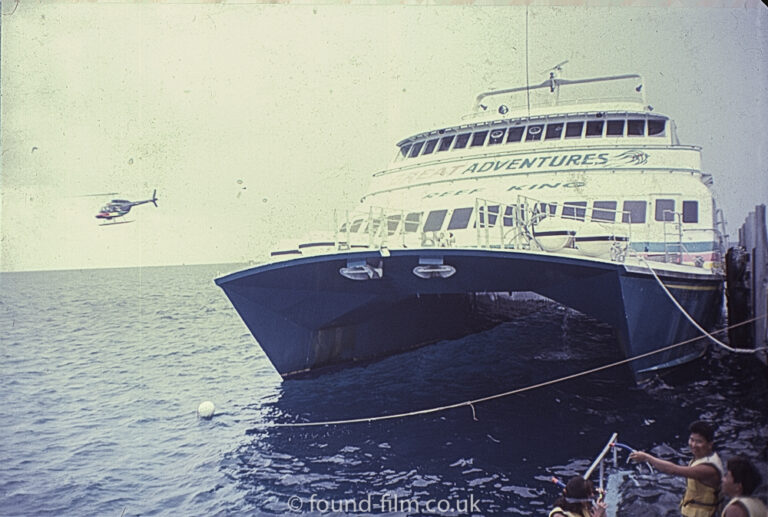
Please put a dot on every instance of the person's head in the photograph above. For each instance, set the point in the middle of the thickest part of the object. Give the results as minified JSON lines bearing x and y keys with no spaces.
{"x":578,"y":494}
{"x":741,"y":477}
{"x":702,"y":438}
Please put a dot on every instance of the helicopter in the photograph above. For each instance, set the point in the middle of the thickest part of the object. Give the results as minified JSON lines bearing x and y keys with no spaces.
{"x":119,"y":207}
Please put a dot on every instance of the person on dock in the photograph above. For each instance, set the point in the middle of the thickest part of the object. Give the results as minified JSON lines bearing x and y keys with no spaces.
{"x":578,"y":500}
{"x":703,"y":473}
{"x":740,"y":481}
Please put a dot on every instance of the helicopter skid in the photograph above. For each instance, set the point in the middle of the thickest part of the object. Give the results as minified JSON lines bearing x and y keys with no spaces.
{"x":115,"y":222}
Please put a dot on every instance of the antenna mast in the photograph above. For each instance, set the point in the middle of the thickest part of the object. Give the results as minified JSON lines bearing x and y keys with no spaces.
{"x":527,"y":76}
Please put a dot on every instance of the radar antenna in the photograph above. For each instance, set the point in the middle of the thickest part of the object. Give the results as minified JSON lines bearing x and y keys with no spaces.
{"x":557,"y":68}
{"x":554,"y":72}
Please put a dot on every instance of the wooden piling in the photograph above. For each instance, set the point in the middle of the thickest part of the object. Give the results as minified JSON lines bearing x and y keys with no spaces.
{"x":751,"y":283}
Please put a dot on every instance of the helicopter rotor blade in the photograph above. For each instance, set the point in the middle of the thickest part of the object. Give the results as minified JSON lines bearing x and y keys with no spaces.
{"x":98,"y":195}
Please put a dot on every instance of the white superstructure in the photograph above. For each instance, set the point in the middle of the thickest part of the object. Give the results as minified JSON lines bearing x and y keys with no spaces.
{"x":576,"y":191}
{"x":566,"y":166}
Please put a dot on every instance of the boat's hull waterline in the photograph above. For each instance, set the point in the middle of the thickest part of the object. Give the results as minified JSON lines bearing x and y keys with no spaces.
{"x":307,"y":317}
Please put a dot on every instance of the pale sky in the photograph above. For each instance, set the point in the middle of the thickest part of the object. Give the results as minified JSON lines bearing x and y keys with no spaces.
{"x":300,"y":104}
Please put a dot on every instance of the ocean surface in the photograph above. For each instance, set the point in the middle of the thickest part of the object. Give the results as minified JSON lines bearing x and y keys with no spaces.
{"x":102,"y":372}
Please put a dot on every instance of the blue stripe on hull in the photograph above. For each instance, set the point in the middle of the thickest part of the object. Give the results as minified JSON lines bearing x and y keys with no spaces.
{"x":306,"y":316}
{"x":661,"y":247}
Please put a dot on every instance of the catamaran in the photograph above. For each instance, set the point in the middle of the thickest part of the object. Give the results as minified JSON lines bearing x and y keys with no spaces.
{"x":575,"y":190}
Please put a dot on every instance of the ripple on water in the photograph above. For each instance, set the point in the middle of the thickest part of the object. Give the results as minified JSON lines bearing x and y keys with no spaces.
{"x":101,"y":409}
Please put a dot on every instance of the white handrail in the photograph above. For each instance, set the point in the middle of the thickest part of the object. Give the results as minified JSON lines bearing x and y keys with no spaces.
{"x":601,"y":456}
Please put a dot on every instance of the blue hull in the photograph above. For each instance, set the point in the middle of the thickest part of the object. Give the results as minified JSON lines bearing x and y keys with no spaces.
{"x":307,"y":317}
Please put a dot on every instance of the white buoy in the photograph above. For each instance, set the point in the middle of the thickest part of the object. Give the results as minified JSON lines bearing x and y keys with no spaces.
{"x":206,"y":409}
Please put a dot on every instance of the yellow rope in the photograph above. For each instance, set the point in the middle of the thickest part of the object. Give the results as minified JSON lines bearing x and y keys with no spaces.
{"x":506,"y":393}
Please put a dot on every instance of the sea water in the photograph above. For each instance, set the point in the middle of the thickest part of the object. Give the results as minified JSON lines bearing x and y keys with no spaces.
{"x":102,"y":371}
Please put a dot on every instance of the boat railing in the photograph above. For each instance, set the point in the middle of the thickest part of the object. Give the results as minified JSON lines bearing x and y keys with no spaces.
{"x":501,"y":225}
{"x":516,"y":108}
{"x":532,"y":224}
{"x":380,"y":227}
{"x":721,"y":229}
{"x":557,"y":91}
{"x":673,"y":237}
{"x":525,"y":224}
{"x":722,"y":245}
{"x":676,"y":235}
{"x":721,"y":234}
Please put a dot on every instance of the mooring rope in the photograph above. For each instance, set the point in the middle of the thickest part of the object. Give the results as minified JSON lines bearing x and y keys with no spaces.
{"x":695,"y":323}
{"x":516,"y":391}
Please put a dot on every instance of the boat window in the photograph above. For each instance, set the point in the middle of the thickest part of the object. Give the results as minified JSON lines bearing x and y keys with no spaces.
{"x":393,"y":221}
{"x":634,"y":212}
{"x":435,"y":220}
{"x":533,"y":133}
{"x":614,"y":128}
{"x":404,"y":150}
{"x":690,"y":211}
{"x":430,"y":146}
{"x":412,"y":221}
{"x":493,"y":214}
{"x":554,"y":131}
{"x":595,"y":128}
{"x":416,"y":148}
{"x":604,"y":211}
{"x":574,"y":129}
{"x":546,"y":208}
{"x":460,"y":218}
{"x":478,"y":138}
{"x":497,"y":136}
{"x":575,"y":210}
{"x":461,"y":141}
{"x":665,"y":209}
{"x":355,"y":225}
{"x":656,"y":126}
{"x":510,"y":214}
{"x":515,"y":134}
{"x":445,"y":143}
{"x":635,"y":127}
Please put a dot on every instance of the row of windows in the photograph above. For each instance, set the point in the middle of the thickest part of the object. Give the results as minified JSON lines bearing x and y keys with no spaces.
{"x":535,"y":133}
{"x":633,"y":212}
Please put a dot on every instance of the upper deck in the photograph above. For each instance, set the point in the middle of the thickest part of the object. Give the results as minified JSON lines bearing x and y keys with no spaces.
{"x":556,"y":113}
{"x":560,"y":125}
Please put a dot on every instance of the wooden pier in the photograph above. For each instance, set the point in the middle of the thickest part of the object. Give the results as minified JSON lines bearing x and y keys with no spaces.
{"x":747,"y":284}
